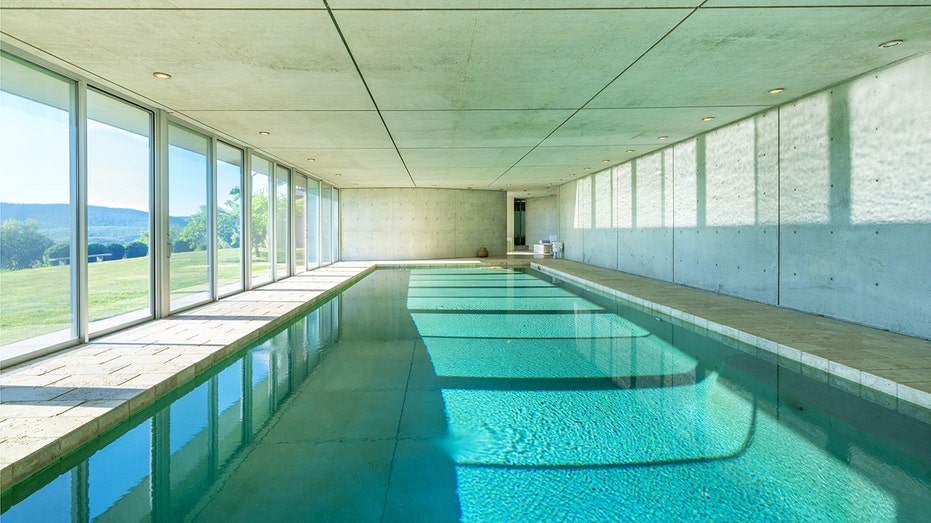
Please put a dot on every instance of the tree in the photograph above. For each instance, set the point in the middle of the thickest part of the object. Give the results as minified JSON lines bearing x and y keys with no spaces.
{"x":22,"y":245}
{"x":194,"y":233}
{"x":259,"y":222}
{"x":228,"y":227}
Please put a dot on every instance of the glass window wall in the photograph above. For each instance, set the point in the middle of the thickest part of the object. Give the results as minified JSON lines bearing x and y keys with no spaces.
{"x":260,"y":226}
{"x":188,"y":182}
{"x":300,"y":224}
{"x":119,"y":180}
{"x":282,"y":221}
{"x":46,"y":194}
{"x":229,"y":219}
{"x":313,"y":224}
{"x":326,"y":224}
{"x":37,"y":214}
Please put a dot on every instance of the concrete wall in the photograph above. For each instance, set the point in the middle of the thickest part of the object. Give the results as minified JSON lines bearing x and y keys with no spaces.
{"x":821,"y":205}
{"x":542,"y":219}
{"x":410,"y":224}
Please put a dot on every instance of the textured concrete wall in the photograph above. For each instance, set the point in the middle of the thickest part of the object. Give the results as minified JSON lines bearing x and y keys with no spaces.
{"x":410,"y":224}
{"x":542,"y":219}
{"x":822,"y":205}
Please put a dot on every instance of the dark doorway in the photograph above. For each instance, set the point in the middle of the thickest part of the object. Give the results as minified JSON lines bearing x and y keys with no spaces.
{"x":520,"y":222}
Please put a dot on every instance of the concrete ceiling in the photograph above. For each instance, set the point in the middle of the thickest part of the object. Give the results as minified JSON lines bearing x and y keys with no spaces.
{"x":512,"y":95}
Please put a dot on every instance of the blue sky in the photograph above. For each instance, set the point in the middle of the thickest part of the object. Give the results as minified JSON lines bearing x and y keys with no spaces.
{"x":34,"y":162}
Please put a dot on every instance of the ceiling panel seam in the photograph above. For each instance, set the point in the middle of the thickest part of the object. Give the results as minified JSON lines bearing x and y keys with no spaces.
{"x":365,"y":84}
{"x":656,"y":43}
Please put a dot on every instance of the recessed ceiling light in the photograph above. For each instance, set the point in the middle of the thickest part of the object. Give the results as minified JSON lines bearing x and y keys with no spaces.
{"x":571,"y":174}
{"x":161,"y":76}
{"x":663,"y":137}
{"x":509,"y":185}
{"x":630,"y":150}
{"x":311,"y":159}
{"x":588,"y":168}
{"x":559,"y":180}
{"x":339,"y":174}
{"x":707,"y":118}
{"x":890,"y":43}
{"x":355,"y":183}
{"x":605,"y":161}
{"x":264,"y":133}
{"x":777,"y":90}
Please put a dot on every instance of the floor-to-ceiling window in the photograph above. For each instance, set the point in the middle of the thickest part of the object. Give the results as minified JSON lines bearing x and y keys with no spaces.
{"x":313,"y":224}
{"x":188,"y":183}
{"x":87,"y":178}
{"x":326,"y":224}
{"x":282,"y":221}
{"x":37,"y":209}
{"x":260,"y":226}
{"x":229,"y":219}
{"x":119,"y":180}
{"x":300,"y":224}
{"x":334,"y":220}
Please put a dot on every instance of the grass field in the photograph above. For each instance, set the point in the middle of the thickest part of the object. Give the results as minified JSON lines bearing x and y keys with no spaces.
{"x":34,"y":302}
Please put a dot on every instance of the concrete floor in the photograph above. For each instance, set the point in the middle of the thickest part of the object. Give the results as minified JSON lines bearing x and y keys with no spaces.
{"x":51,"y":406}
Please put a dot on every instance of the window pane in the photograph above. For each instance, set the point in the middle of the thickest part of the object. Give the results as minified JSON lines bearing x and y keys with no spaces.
{"x":229,"y":213}
{"x":282,"y":220}
{"x":334,"y":252}
{"x":35,"y":208}
{"x":313,"y":223}
{"x":261,"y":190}
{"x":119,"y":142}
{"x":300,"y":224}
{"x":188,"y":173}
{"x":325,"y":224}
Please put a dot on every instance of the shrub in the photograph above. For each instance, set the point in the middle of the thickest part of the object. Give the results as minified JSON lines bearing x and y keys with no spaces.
{"x":116,"y":250}
{"x":60,"y":253}
{"x":136,"y":249}
{"x":180,"y":246}
{"x":96,"y":248}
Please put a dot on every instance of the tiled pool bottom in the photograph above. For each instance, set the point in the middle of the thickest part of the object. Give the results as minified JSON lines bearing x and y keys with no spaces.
{"x":369,"y":421}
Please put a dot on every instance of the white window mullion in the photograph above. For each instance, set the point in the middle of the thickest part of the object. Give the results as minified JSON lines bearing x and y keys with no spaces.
{"x":79,"y":292}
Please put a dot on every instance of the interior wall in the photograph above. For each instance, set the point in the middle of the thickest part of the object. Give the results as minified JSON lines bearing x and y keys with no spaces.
{"x":411,"y":224}
{"x":821,"y":205}
{"x":542,"y":219}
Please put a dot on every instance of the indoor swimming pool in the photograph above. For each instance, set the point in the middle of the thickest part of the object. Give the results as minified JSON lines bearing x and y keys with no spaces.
{"x":487,"y":395}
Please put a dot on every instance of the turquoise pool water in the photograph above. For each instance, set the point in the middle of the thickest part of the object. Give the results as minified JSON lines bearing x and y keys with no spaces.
{"x":492,"y":395}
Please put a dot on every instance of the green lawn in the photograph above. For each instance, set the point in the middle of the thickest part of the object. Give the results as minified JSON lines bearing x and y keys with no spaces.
{"x":37,"y":301}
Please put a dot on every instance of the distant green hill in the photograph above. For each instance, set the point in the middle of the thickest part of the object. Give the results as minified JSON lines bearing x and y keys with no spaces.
{"x":106,"y":224}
